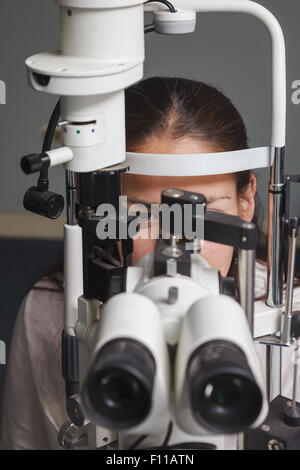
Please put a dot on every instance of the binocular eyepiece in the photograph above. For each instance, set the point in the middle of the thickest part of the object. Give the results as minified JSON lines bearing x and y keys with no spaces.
{"x":223,"y":392}
{"x":213,"y":386}
{"x":120,"y":385}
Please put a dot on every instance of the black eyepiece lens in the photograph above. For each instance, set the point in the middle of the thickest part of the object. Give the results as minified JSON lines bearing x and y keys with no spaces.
{"x":118,"y":390}
{"x":225,"y":392}
{"x":224,"y":395}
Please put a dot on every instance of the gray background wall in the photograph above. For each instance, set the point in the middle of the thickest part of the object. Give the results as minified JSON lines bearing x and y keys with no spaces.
{"x":229,"y":51}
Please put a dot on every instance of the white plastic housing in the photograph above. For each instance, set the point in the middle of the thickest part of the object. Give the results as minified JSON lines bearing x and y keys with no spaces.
{"x":102,"y":53}
{"x":181,"y":22}
{"x":102,"y":50}
{"x":109,"y":33}
{"x":135,"y":317}
{"x":278,"y":132}
{"x":60,"y":156}
{"x":213,"y":318}
{"x":205,"y":281}
{"x":84,"y":135}
{"x":199,"y":164}
{"x":73,"y":270}
{"x":105,"y":147}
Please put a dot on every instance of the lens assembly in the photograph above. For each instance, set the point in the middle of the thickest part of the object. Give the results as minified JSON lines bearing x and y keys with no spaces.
{"x":224,"y":395}
{"x":118,"y":390}
{"x":45,"y":203}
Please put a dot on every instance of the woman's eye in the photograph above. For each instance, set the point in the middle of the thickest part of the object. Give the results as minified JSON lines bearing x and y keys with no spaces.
{"x":143,"y":214}
{"x":219,"y":206}
{"x":211,"y":207}
{"x":214,"y":209}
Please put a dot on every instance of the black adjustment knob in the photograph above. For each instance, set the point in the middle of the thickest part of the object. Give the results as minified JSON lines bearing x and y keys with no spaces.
{"x":34,"y":163}
{"x":101,"y":186}
{"x":41,"y":79}
{"x":228,"y":287}
{"x":44,"y":203}
{"x":188,"y":203}
{"x":291,"y":415}
{"x":296,"y":325}
{"x":178,"y":196}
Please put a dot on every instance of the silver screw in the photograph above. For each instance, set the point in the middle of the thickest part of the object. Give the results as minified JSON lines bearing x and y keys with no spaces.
{"x":273,"y":444}
{"x":173,"y":193}
{"x":171,"y":267}
{"x":172,"y":295}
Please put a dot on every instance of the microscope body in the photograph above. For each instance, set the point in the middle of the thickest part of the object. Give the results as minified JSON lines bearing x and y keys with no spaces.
{"x":174,"y":322}
{"x":100,"y":56}
{"x":172,"y":316}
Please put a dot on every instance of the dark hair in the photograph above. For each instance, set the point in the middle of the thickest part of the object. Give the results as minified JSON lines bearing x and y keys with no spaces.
{"x":177,"y":108}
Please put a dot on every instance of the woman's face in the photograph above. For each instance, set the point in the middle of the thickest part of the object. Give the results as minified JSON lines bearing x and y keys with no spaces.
{"x":220,"y":192}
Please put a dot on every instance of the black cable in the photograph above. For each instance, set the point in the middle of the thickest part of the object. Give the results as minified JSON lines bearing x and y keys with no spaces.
{"x":193,"y":446}
{"x":48,"y":289}
{"x":51,"y":128}
{"x":149,"y":28}
{"x":168,"y":435}
{"x":179,"y":446}
{"x":165,"y":2}
{"x":43,"y":183}
{"x":138,"y":442}
{"x":186,"y":446}
{"x":142,"y":438}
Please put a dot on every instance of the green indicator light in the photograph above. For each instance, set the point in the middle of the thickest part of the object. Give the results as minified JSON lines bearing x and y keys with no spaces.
{"x":78,"y":132}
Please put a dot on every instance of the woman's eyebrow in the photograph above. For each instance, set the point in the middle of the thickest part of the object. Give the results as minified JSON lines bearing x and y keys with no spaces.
{"x":136,"y":201}
{"x":148,"y":204}
{"x":217,"y":199}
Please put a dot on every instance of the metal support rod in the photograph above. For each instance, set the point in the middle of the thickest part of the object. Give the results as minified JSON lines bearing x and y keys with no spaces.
{"x":72,"y":195}
{"x":288,"y":313}
{"x":268,"y":375}
{"x":295,"y":383}
{"x":291,"y":414}
{"x":273,"y":371}
{"x":246,"y":273}
{"x":73,"y":258}
{"x":276,"y":222}
{"x":241,"y":441}
{"x":256,"y":10}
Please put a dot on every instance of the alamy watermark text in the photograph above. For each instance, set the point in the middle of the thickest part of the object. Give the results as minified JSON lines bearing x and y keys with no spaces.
{"x":2,"y":353}
{"x":2,"y":92}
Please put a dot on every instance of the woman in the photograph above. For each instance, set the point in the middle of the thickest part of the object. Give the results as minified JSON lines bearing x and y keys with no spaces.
{"x":164,"y":115}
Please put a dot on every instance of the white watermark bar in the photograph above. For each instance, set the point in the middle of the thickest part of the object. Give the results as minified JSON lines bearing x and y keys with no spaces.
{"x":2,"y":92}
{"x":150,"y":221}
{"x":296,"y":93}
{"x":2,"y":353}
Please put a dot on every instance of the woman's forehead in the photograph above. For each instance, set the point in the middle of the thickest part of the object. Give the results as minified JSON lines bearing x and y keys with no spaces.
{"x":149,"y":188}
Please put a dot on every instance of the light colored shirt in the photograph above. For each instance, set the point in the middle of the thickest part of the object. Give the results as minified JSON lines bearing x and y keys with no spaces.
{"x":34,"y":404}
